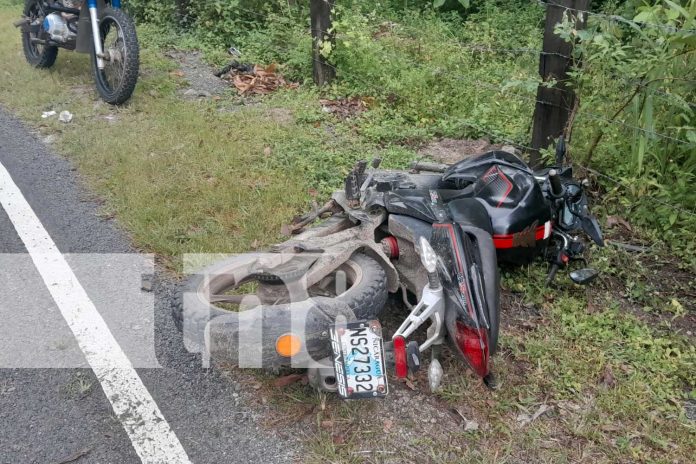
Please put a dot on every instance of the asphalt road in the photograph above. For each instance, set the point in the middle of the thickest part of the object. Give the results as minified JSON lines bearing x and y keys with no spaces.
{"x":58,"y":411}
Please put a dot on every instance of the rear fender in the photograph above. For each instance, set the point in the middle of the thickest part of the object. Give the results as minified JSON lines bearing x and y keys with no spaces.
{"x":467,"y":316}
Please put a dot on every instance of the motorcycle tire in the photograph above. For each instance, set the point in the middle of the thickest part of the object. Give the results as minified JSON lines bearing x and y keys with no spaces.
{"x":39,"y":56}
{"x":125,"y":58}
{"x":366,"y":295}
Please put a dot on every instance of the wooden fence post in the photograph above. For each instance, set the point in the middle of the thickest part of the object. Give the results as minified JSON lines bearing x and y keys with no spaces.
{"x":554,"y":104}
{"x":182,"y":11}
{"x":320,"y":12}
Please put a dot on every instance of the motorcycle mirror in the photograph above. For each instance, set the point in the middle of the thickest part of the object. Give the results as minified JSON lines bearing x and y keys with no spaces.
{"x":583,"y":276}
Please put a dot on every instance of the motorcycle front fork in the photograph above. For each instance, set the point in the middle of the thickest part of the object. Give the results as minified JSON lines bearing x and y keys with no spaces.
{"x":96,"y":35}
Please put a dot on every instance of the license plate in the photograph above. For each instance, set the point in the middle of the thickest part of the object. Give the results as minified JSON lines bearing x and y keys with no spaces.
{"x":359,"y":360}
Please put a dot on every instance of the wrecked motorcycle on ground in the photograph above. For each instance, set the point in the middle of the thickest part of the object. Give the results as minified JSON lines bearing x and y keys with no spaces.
{"x":436,"y":234}
{"x":98,"y":27}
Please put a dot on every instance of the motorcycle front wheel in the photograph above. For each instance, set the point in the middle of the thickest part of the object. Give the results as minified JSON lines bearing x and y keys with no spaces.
{"x":116,"y":82}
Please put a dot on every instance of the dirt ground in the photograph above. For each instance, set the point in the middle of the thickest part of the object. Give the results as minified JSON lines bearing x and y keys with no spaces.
{"x":202,"y":83}
{"x":449,"y":151}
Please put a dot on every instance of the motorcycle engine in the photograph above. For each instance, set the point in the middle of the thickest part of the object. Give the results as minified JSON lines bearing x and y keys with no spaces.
{"x":57,"y":28}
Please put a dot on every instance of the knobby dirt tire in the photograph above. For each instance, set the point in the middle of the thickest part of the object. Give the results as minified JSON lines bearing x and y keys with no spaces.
{"x":123,"y":91}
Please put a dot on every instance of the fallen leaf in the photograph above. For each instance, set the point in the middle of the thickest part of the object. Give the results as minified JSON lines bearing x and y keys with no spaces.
{"x":255,"y":244}
{"x":177,"y":73}
{"x":267,"y":151}
{"x":287,"y":380}
{"x":388,"y":424}
{"x":327,"y":423}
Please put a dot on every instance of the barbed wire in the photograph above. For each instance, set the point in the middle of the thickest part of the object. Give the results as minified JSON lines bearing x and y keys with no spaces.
{"x":496,"y":136}
{"x":587,"y":113}
{"x":620,"y":183}
{"x":618,"y":18}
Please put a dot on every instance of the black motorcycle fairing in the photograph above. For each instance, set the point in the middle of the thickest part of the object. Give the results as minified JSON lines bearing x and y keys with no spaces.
{"x":410,"y":202}
{"x":409,"y":228}
{"x":469,"y":170}
{"x":470,"y":212}
{"x":468,"y":291}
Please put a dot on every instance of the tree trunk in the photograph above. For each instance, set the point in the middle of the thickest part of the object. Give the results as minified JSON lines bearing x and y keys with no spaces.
{"x":320,"y":12}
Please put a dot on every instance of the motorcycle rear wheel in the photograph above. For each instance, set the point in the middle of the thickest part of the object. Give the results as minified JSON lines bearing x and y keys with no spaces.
{"x":116,"y":82}
{"x":206,"y":293}
{"x":39,"y":56}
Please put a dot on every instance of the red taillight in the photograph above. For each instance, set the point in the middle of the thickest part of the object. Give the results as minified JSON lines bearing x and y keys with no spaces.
{"x":400,"y":363}
{"x":474,"y":346}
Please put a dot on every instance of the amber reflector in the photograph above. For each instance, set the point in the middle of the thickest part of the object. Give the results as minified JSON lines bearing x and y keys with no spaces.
{"x":288,"y":345}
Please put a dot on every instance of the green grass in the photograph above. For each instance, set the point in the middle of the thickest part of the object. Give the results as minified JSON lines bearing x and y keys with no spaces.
{"x":219,"y":176}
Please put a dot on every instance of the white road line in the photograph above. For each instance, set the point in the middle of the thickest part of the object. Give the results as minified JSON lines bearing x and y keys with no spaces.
{"x":152,"y":438}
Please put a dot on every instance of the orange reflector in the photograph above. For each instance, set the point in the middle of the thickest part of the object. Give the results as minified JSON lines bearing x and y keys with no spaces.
{"x":288,"y":345}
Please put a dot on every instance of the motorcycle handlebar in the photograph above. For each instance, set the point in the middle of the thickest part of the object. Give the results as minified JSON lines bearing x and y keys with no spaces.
{"x":555,"y":180}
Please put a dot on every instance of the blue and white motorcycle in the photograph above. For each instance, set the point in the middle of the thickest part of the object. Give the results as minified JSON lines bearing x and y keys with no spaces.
{"x":98,"y":27}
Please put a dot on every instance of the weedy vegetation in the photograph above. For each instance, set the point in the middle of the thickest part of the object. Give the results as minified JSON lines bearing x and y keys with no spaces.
{"x":598,"y":375}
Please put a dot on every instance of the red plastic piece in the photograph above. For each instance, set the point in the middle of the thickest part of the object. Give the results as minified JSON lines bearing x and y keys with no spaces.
{"x":400,"y":363}
{"x":391,"y":246}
